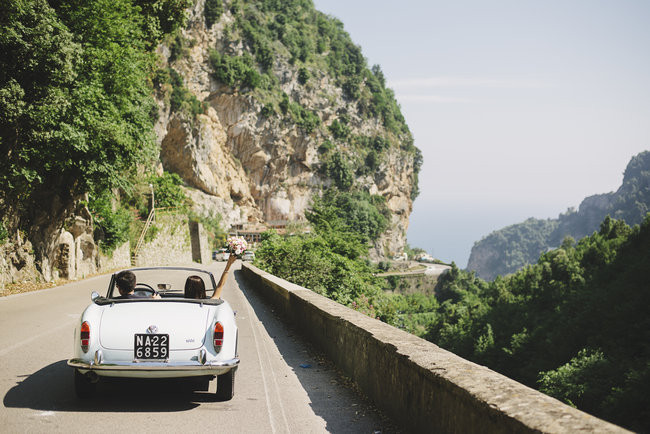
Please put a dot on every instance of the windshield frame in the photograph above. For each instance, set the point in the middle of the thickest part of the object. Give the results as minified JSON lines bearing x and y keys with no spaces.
{"x":112,"y":292}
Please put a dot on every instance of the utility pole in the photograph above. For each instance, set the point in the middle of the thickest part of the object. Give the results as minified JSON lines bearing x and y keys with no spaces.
{"x":153,"y":209}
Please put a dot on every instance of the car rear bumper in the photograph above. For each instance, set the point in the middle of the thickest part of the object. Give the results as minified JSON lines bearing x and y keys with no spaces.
{"x":154,"y":369}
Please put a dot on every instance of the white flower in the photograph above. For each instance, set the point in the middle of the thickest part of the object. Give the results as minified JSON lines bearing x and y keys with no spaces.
{"x":237,"y":245}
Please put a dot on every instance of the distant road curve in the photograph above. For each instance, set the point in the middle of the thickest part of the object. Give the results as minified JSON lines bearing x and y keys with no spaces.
{"x":428,"y":269}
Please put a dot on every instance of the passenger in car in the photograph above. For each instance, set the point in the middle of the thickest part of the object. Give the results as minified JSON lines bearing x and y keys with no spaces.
{"x":224,"y":276}
{"x":194,"y":287}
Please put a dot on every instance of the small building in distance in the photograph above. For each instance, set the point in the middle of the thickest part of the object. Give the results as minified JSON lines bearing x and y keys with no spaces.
{"x":252,"y":232}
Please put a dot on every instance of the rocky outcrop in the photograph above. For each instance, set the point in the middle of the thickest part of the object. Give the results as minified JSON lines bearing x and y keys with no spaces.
{"x":252,"y":168}
{"x":17,"y":262}
{"x":70,"y":253}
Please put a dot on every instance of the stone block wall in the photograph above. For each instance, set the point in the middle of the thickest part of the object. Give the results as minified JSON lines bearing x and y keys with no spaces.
{"x":171,"y":245}
{"x":418,"y":384}
{"x":121,"y":258}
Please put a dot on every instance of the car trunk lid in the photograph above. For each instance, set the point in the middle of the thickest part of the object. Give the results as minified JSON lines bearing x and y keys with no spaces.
{"x":185,"y":323}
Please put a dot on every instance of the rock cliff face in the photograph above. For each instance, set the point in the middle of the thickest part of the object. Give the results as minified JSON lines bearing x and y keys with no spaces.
{"x":252,"y":168}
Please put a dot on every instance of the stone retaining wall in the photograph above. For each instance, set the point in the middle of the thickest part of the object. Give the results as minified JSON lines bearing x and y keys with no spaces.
{"x":415,"y":382}
{"x":175,"y":243}
{"x":120,"y":258}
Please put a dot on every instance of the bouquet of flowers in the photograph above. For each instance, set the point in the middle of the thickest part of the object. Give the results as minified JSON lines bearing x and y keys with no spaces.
{"x":237,"y":245}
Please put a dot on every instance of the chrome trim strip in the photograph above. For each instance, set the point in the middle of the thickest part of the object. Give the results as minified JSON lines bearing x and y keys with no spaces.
{"x":154,"y":366}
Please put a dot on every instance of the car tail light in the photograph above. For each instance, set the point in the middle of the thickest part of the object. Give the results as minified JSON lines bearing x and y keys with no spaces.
{"x":218,"y":336}
{"x":85,"y":336}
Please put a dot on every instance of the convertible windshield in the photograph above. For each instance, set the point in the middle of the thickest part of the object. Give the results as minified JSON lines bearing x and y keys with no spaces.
{"x":167,"y":281}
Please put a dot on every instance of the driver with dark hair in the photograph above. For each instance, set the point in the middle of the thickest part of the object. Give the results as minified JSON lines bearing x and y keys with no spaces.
{"x":125,"y":282}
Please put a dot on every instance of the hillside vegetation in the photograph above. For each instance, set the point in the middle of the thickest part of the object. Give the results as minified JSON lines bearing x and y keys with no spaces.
{"x":511,"y":248}
{"x":77,"y":115}
{"x":76,"y":108}
{"x":75,"y":95}
{"x":575,"y":325}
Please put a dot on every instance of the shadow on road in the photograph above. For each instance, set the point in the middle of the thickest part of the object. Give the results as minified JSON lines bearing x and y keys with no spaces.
{"x":51,"y":388}
{"x":333,"y":396}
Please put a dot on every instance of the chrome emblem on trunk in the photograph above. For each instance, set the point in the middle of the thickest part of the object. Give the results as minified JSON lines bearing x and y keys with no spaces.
{"x":152,"y":329}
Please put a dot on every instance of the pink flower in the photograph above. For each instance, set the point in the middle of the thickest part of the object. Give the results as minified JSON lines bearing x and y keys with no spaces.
{"x":237,"y":245}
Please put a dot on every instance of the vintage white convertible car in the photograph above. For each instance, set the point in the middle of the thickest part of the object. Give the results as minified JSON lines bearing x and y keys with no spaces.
{"x":167,"y":337}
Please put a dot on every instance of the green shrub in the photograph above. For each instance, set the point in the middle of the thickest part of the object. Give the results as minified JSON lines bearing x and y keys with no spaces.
{"x":178,"y":48}
{"x":284,"y":103}
{"x":325,"y":147}
{"x":168,"y":191}
{"x":181,"y":98}
{"x":574,"y":382}
{"x":267,"y":111}
{"x":303,"y":75}
{"x":212,"y":11}
{"x":4,"y":234}
{"x":235,"y":70}
{"x":338,"y":169}
{"x":339,"y":130}
{"x":309,"y":260}
{"x":112,"y":221}
{"x":353,"y":212}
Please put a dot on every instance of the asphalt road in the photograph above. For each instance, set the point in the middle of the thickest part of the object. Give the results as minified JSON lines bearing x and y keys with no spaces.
{"x":282,"y":384}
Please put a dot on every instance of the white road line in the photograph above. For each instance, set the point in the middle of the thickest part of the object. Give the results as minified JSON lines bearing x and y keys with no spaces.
{"x":277,"y":386}
{"x":259,"y":358}
{"x":257,"y":333}
{"x":24,"y":342}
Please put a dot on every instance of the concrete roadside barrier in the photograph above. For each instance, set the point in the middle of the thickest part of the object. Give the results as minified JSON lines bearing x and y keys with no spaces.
{"x":419,"y":385}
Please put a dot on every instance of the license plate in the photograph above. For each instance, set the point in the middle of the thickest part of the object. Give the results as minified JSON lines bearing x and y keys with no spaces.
{"x":151,"y":347}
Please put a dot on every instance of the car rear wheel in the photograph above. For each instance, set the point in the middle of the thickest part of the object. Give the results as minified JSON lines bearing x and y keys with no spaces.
{"x":226,"y":386}
{"x":84,"y":387}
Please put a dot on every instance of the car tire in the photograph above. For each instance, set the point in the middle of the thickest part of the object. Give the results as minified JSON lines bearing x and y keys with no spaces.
{"x":83,"y":386}
{"x":226,"y":386}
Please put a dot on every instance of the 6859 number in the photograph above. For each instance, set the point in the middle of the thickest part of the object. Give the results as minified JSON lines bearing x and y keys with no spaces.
{"x":151,"y":347}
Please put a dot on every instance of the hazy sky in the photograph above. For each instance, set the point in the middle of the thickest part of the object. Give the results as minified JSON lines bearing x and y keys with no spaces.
{"x":521,"y":108}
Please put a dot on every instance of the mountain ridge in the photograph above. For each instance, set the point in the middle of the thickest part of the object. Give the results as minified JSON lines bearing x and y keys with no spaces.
{"x":508,"y":249}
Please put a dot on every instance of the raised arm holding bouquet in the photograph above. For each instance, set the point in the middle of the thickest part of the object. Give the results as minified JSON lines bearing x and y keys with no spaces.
{"x":237,"y":246}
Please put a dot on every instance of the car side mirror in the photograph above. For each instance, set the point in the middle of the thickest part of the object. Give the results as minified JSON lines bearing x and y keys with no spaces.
{"x":94,"y":295}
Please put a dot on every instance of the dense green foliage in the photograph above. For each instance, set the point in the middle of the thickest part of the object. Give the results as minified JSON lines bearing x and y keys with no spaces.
{"x":237,"y":71}
{"x":212,"y":11}
{"x":181,"y":100}
{"x":76,"y":111}
{"x":576,"y":324}
{"x":317,"y":261}
{"x":329,"y":260}
{"x":355,"y":213}
{"x":338,"y":168}
{"x":511,"y":248}
{"x":117,"y":221}
{"x":112,"y":221}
